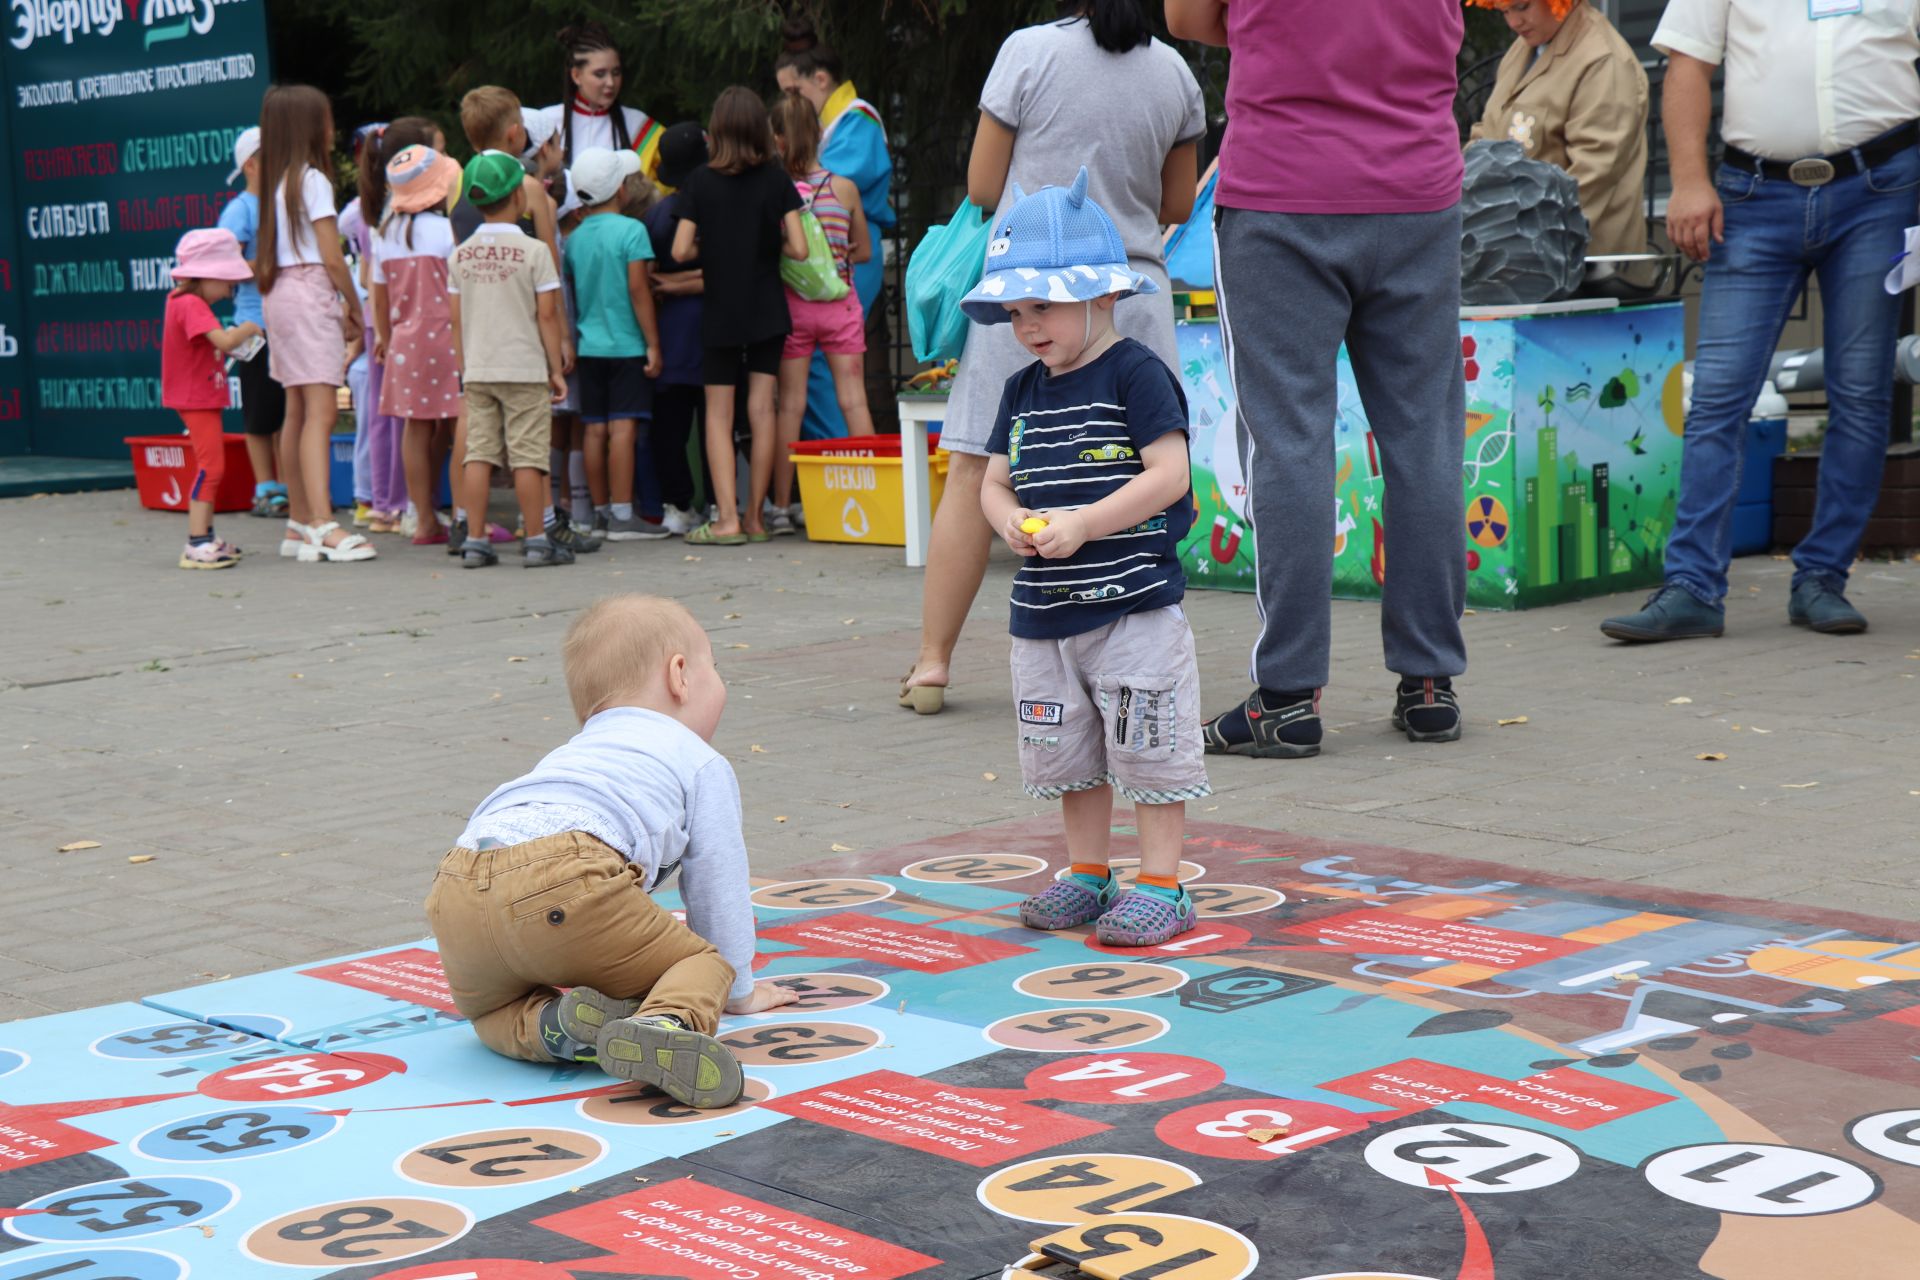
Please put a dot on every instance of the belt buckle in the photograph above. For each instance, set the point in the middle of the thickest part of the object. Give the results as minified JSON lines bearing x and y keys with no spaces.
{"x":1810,"y":173}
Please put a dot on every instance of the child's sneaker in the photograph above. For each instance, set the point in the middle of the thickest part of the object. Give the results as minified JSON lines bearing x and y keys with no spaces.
{"x":688,"y":1067}
{"x":208,"y":555}
{"x":584,"y":1011}
{"x":478,"y":554}
{"x":779,"y":523}
{"x":679,"y":521}
{"x":635,"y":528}
{"x":798,"y":514}
{"x":565,"y":533}
{"x":229,"y":548}
{"x":362,"y":514}
{"x":263,"y":503}
{"x":1065,"y":903}
{"x":456,"y":534}
{"x":1141,"y":919}
{"x":545,"y":554}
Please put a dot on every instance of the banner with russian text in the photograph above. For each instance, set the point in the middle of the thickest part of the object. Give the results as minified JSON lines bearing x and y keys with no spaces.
{"x":122,"y":115}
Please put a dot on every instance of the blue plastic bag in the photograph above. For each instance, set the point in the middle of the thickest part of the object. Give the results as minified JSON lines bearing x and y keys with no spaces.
{"x":945,"y":266}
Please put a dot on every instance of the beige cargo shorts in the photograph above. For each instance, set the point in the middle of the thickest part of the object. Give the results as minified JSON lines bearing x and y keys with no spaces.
{"x":1119,"y":704}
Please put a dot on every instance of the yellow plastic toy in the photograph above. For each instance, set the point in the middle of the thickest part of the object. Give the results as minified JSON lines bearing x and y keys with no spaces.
{"x":1032,"y":524}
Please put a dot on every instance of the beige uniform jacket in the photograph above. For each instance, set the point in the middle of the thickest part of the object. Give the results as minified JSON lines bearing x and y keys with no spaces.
{"x":1582,"y":105}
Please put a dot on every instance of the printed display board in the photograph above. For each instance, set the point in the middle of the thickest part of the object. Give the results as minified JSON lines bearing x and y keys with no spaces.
{"x":1571,"y":461}
{"x":1365,"y":1063}
{"x":14,"y":363}
{"x":122,"y":115}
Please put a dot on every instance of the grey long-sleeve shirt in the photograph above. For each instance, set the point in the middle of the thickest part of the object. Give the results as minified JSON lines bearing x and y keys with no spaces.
{"x":651,"y":788}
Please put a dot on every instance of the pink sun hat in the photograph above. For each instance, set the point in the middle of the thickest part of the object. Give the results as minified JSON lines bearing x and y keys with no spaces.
{"x":420,"y":178}
{"x":210,"y":254}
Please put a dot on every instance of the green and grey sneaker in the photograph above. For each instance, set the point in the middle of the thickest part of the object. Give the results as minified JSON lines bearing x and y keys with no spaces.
{"x":688,"y":1067}
{"x":564,"y":533}
{"x":584,"y":1011}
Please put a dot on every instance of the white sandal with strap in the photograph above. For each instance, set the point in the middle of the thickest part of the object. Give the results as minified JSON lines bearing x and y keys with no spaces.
{"x":295,"y":545}
{"x":352,"y":547}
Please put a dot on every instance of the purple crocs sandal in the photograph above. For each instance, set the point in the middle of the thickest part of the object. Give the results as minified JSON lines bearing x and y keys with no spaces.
{"x":1138,"y":919}
{"x":1064,"y":904}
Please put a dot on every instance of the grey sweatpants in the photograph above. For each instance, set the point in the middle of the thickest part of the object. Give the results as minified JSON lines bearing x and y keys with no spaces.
{"x":1291,"y":288}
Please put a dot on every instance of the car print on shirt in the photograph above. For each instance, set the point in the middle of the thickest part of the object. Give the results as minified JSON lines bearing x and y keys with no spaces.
{"x":1106,"y":453}
{"x":1110,"y":590}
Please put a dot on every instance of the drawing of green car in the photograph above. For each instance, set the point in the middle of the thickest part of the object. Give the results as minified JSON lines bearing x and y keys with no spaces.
{"x":1106,"y":453}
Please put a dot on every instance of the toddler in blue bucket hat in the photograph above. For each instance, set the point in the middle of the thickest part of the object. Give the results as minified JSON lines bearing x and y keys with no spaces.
{"x":1087,"y":480}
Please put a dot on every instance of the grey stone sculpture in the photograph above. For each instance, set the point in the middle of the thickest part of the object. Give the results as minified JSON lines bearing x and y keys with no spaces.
{"x":1523,"y":238}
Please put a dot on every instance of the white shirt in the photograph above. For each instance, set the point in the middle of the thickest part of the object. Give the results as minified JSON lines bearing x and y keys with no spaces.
{"x":593,"y":131}
{"x":1799,"y":86}
{"x":432,"y":236}
{"x":316,"y":193}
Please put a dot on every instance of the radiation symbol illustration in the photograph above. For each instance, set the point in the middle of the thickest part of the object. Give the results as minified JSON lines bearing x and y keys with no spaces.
{"x":1487,"y":521}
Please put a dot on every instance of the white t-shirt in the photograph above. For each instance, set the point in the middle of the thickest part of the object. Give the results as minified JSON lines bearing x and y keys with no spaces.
{"x":1797,"y":85}
{"x":432,"y":238}
{"x":594,"y":131}
{"x":316,"y":193}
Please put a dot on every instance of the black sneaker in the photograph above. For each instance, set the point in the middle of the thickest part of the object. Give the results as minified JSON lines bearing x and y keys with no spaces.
{"x":1281,"y":730}
{"x":1427,"y":710}
{"x":545,"y":555}
{"x":478,"y":553}
{"x":564,"y":533}
{"x":456,"y":537}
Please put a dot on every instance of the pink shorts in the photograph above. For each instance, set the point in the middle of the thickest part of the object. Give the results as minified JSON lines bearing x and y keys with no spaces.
{"x":837,"y":328}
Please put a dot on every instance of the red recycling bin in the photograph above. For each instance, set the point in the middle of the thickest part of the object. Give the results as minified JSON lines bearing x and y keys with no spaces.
{"x":163,"y":470}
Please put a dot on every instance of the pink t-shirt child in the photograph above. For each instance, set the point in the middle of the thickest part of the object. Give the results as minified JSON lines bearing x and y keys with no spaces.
{"x":1341,"y":108}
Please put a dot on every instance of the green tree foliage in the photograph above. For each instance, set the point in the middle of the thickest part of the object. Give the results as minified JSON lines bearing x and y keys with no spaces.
{"x":921,"y":62}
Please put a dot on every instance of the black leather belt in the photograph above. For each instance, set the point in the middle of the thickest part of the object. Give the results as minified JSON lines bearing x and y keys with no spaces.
{"x":1817,"y":171}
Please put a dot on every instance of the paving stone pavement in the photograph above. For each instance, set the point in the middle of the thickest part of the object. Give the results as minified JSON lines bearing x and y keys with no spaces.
{"x":294,"y":745}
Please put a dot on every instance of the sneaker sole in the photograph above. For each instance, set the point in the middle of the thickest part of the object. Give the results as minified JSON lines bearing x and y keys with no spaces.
{"x":584,"y":1011}
{"x":1126,"y":938}
{"x":1638,"y":636}
{"x":1267,"y":751}
{"x":207,"y":564}
{"x":1048,"y":924}
{"x":688,"y":1067}
{"x":1829,"y":628}
{"x":1415,"y":735}
{"x":649,"y":536}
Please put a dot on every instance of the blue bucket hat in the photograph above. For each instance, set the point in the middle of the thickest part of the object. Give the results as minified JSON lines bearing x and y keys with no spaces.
{"x":1055,"y":245}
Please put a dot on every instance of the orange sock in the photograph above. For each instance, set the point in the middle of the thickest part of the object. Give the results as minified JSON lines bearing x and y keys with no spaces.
{"x":1091,"y":870}
{"x":1159,"y":882}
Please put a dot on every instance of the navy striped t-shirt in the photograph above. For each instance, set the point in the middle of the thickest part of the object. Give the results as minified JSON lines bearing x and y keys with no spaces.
{"x":1070,"y":440}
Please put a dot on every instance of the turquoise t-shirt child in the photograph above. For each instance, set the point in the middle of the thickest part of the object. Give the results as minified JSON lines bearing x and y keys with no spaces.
{"x":597,"y":255}
{"x":242,"y":217}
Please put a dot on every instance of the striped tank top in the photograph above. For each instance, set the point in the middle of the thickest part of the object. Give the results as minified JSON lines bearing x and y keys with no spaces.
{"x":834,"y":218}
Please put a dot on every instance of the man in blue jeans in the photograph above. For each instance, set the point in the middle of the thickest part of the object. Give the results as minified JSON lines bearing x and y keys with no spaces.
{"x":1821,"y":175}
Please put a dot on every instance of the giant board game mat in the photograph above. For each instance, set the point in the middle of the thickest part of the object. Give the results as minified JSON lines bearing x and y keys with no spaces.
{"x":1366,"y":1063}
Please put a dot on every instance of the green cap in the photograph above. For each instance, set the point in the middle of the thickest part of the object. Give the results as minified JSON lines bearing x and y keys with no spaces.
{"x":492,"y":176}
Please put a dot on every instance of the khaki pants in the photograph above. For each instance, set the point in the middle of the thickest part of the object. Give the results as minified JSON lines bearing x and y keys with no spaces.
{"x":563,"y":911}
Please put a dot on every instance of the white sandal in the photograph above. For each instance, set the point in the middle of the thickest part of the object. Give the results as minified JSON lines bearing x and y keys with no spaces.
{"x":295,"y":545}
{"x":352,"y":547}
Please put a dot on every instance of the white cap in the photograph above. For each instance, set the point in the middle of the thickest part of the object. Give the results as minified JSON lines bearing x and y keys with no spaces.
{"x":569,"y":199}
{"x":245,"y":147}
{"x":598,"y":173}
{"x":540,"y":126}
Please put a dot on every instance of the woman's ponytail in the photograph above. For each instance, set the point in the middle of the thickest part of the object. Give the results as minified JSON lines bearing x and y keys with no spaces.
{"x":1117,"y":25}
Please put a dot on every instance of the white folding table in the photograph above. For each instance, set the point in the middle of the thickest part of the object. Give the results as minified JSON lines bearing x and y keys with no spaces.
{"x":916,"y":411}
